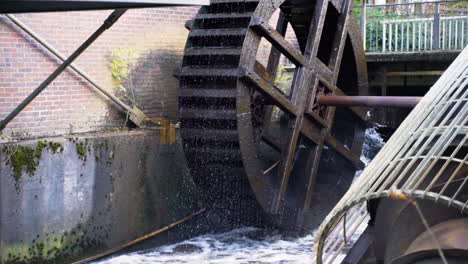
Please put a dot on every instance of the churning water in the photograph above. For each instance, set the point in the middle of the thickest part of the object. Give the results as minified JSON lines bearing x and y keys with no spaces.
{"x":243,"y":245}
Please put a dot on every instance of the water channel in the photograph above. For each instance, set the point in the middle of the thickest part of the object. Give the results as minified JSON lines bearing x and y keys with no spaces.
{"x":247,"y":245}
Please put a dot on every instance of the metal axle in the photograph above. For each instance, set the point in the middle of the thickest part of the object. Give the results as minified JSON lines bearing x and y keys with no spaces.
{"x":369,"y":101}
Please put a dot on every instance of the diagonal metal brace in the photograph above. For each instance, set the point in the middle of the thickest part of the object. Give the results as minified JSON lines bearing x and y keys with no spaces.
{"x":113,"y":17}
{"x":134,"y":114}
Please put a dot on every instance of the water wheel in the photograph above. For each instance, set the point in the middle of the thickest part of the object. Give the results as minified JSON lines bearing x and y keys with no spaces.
{"x":260,"y":153}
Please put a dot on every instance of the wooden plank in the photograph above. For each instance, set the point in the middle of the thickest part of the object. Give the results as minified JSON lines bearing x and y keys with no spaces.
{"x":311,"y":131}
{"x":340,"y":38}
{"x":325,"y":74}
{"x":273,"y":93}
{"x":286,"y":164}
{"x":315,"y":117}
{"x":312,"y":167}
{"x":279,"y":42}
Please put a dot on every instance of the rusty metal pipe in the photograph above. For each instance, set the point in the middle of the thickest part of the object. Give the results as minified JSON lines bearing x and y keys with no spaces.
{"x":369,"y":101}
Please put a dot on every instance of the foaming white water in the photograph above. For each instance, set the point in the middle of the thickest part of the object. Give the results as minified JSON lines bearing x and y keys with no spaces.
{"x":244,"y":245}
{"x":373,"y":142}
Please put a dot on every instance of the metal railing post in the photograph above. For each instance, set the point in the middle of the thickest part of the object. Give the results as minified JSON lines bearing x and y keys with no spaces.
{"x":384,"y":36}
{"x":363,"y":23}
{"x":436,"y":28}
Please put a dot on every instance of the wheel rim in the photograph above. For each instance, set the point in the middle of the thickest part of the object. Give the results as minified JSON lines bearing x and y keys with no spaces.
{"x":282,"y":183}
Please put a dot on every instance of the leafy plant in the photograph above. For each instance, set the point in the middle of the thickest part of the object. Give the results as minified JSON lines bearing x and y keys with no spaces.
{"x":123,"y":61}
{"x":4,"y":137}
{"x":282,"y":78}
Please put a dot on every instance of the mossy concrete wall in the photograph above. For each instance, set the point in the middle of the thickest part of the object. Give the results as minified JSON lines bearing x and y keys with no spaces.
{"x":63,"y":199}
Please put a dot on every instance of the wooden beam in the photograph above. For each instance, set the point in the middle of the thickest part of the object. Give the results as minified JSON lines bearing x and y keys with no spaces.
{"x":311,"y":131}
{"x":278,"y":41}
{"x":318,"y":119}
{"x":272,"y":92}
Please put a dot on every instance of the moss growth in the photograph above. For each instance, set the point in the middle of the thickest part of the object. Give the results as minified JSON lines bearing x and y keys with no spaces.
{"x":81,"y":150}
{"x":64,"y":248}
{"x":25,"y":158}
{"x":56,"y":147}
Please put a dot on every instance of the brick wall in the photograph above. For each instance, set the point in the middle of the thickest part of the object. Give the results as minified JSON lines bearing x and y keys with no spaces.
{"x":70,"y":104}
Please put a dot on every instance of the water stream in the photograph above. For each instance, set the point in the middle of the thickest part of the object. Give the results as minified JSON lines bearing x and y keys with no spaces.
{"x":243,"y":245}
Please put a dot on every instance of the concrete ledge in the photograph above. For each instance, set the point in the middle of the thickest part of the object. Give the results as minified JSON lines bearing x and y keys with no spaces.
{"x":426,"y":56}
{"x":64,"y":199}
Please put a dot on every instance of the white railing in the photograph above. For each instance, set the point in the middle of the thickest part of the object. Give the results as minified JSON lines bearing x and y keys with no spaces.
{"x":422,"y":34}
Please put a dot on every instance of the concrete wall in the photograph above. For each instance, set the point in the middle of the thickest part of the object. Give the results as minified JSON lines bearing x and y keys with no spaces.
{"x":62,"y":199}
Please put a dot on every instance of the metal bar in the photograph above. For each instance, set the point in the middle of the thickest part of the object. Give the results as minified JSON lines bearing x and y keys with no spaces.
{"x":28,"y":6}
{"x":368,"y":101}
{"x":419,"y":35}
{"x":363,"y":24}
{"x":390,"y":37}
{"x":425,"y":35}
{"x":402,"y":38}
{"x":396,"y":37}
{"x":113,"y":17}
{"x":384,"y":36}
{"x":456,"y":35}
{"x":407,"y":36}
{"x":55,"y":52}
{"x":444,"y":24}
{"x":359,"y":111}
{"x":431,"y":39}
{"x":449,"y":38}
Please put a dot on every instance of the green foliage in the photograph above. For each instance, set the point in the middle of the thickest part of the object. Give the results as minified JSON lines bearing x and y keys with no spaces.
{"x":27,"y":158}
{"x":121,"y":65}
{"x":4,"y":137}
{"x":282,"y":79}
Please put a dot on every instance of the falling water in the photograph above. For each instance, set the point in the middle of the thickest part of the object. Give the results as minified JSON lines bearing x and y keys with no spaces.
{"x":242,"y":245}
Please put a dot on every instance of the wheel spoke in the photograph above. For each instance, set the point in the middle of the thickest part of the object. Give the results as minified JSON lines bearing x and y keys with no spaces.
{"x":271,"y":92}
{"x":272,"y":139}
{"x":316,"y":28}
{"x":275,"y":55}
{"x":340,"y":38}
{"x":311,"y":131}
{"x":312,"y":168}
{"x":324,"y":73}
{"x":279,"y":42}
{"x":286,"y":164}
{"x":322,"y":122}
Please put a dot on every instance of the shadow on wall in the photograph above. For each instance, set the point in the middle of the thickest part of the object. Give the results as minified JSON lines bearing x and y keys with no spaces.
{"x":156,"y":89}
